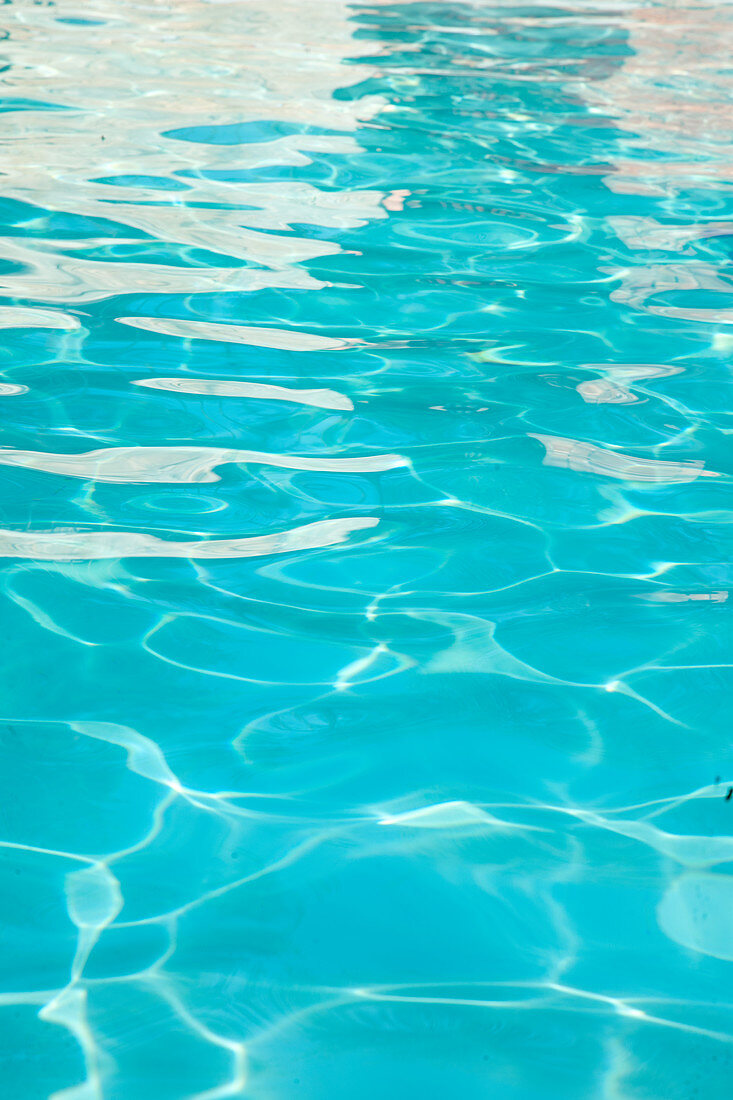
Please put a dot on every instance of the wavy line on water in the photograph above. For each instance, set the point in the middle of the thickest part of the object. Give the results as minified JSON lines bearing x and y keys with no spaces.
{"x":455,"y":815}
{"x":280,"y":338}
{"x":320,"y":399}
{"x":149,"y":465}
{"x":69,"y":544}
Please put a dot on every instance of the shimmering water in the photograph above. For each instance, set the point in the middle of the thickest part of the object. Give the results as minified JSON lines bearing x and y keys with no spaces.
{"x":365,"y":473}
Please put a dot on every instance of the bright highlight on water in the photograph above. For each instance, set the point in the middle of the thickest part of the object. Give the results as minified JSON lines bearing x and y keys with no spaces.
{"x":365,"y":475}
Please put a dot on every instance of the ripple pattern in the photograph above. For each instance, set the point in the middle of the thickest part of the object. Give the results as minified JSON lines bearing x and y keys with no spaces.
{"x":366,"y":498}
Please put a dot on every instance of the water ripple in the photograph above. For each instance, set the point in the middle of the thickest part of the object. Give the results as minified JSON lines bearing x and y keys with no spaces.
{"x":364,"y":534}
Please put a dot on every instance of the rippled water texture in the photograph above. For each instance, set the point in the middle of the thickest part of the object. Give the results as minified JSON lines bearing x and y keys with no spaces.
{"x":364,"y":471}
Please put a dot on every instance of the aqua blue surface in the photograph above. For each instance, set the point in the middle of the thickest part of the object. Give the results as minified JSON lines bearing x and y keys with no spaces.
{"x":371,"y":742}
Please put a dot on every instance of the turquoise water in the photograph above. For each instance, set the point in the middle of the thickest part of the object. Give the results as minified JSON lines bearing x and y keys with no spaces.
{"x":365,"y":477}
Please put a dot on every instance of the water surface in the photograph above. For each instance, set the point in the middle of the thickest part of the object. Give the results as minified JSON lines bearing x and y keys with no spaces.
{"x":364,"y":485}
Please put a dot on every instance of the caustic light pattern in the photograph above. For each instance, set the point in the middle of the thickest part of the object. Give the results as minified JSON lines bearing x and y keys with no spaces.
{"x":364,"y":486}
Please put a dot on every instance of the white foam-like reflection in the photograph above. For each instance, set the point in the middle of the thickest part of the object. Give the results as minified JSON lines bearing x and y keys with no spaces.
{"x":679,"y":130}
{"x":613,"y":387}
{"x":686,"y":597}
{"x":48,"y":276}
{"x":284,"y":339}
{"x":164,"y":83}
{"x":641,"y":283}
{"x":601,"y":391}
{"x":696,"y":913}
{"x":153,"y":465}
{"x":30,"y":317}
{"x":650,"y":234}
{"x":81,"y":545}
{"x":573,"y":454}
{"x":212,"y":387}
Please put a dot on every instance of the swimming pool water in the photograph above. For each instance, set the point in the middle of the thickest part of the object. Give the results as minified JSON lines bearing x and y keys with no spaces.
{"x":365,"y":472}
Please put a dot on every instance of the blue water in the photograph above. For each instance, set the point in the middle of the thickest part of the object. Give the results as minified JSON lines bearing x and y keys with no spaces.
{"x":364,"y":484}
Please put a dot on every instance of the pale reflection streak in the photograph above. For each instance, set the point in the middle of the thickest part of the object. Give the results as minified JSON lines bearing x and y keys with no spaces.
{"x":28,"y":317}
{"x":210,"y":387}
{"x":650,"y":234}
{"x":639,"y":284}
{"x":79,"y":545}
{"x":573,"y":454}
{"x":610,"y":389}
{"x":461,"y":815}
{"x":685,"y":597}
{"x":678,"y":131}
{"x":134,"y":157}
{"x":601,"y":391}
{"x":285,"y":339}
{"x":153,"y":465}
{"x":678,"y":135}
{"x":48,"y":275}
